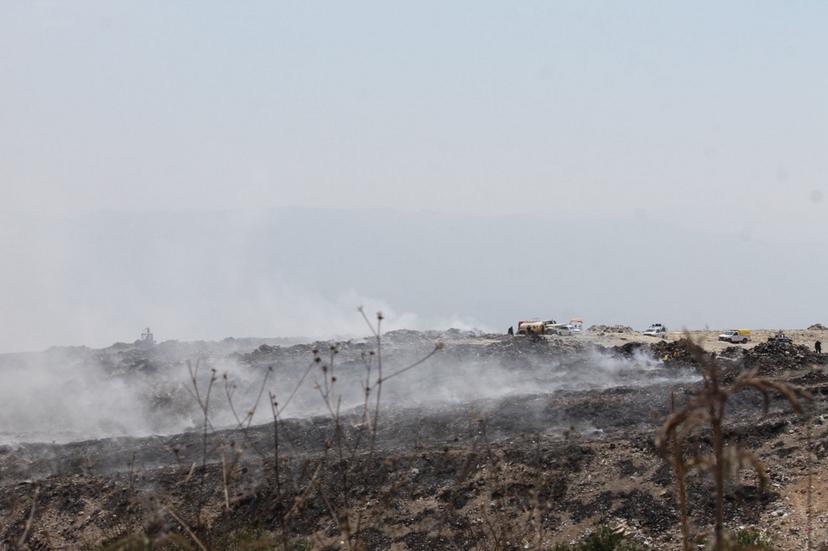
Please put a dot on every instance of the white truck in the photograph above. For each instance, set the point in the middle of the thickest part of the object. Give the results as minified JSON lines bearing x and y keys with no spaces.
{"x":655,"y":330}
{"x":735,"y":336}
{"x":561,"y":329}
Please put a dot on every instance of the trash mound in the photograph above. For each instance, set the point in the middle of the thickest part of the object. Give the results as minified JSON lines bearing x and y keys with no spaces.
{"x":777,"y":355}
{"x":817,"y":327}
{"x":733,"y":353}
{"x":629,"y":349}
{"x":453,"y":334}
{"x":680,"y":351}
{"x":520,"y":348}
{"x":677,"y":353}
{"x":530,"y":344}
{"x":604,"y":329}
{"x":406,"y":337}
{"x":777,"y":347}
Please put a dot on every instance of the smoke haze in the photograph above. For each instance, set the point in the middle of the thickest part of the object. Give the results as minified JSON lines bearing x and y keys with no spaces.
{"x":65,"y":395}
{"x":101,"y":278}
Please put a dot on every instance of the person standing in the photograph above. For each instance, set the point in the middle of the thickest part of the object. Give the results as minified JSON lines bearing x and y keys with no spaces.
{"x":818,"y":347}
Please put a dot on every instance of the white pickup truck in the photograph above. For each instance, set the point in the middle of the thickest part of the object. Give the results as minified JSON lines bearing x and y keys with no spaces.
{"x":655,"y":330}
{"x":735,"y":336}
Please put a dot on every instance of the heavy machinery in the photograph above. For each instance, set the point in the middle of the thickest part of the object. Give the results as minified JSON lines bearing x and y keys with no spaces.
{"x":147,"y":339}
{"x":532,"y":327}
{"x":547,"y":327}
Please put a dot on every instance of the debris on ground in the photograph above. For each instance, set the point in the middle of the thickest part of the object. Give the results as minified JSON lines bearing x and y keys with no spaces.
{"x":779,"y":354}
{"x":607,"y":329}
{"x":677,"y":352}
{"x":564,"y":462}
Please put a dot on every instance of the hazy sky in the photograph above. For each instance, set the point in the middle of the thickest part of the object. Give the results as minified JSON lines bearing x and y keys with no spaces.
{"x":708,"y":117}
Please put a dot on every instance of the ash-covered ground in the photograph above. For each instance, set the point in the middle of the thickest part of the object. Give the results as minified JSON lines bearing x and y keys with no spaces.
{"x":516,"y":442}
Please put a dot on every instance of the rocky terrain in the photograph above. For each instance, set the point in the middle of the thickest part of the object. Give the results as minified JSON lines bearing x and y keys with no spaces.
{"x":493,"y":442}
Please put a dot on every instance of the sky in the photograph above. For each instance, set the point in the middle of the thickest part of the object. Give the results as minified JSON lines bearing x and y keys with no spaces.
{"x":703,"y":121}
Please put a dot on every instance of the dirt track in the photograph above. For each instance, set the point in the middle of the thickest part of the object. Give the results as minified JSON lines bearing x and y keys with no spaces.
{"x":541,"y":466}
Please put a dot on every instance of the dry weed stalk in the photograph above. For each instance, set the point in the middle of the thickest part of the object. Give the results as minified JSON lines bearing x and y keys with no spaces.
{"x":243,"y":424}
{"x":677,"y":461}
{"x":346,"y":445}
{"x":809,"y":463}
{"x":27,"y":528}
{"x":706,"y":411}
{"x":187,"y":529}
{"x":204,"y":405}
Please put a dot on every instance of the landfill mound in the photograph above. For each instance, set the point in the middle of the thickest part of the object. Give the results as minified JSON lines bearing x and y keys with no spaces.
{"x":817,"y":327}
{"x":533,"y":439}
{"x":775,"y":355}
{"x":771,"y":357}
{"x":670,"y":353}
{"x":682,"y":351}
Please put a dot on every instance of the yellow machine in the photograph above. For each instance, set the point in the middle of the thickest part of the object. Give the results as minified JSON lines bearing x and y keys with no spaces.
{"x":531,"y":327}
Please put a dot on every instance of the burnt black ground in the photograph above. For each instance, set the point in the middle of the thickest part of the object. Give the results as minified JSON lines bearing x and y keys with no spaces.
{"x":441,"y":476}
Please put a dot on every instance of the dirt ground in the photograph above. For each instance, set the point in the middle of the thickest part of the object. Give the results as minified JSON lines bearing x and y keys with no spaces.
{"x":524,"y":470}
{"x":709,"y":339}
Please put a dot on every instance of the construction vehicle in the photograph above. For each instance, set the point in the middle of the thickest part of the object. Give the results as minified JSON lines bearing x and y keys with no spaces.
{"x":147,"y":339}
{"x":735,"y":336}
{"x":531,"y":327}
{"x":539,"y":327}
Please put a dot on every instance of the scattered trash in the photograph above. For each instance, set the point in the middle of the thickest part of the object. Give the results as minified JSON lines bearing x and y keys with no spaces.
{"x":605,"y":329}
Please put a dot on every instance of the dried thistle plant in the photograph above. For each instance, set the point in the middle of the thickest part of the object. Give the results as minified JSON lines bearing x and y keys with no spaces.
{"x":707,"y":410}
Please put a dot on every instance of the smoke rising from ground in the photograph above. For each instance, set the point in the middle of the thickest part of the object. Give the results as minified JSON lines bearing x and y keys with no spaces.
{"x":75,"y":394}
